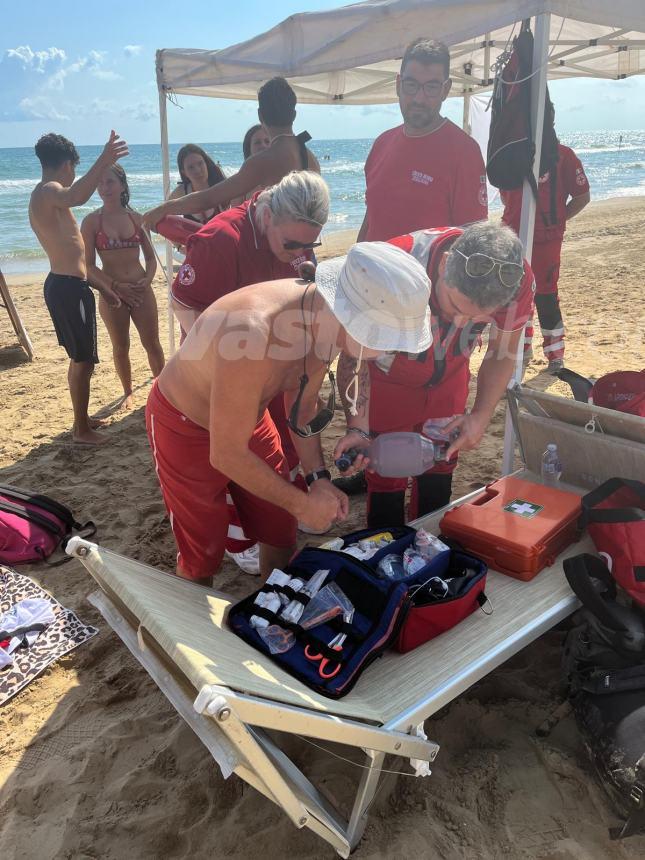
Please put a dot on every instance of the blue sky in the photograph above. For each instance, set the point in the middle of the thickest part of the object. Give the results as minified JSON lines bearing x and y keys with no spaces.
{"x":81,"y":68}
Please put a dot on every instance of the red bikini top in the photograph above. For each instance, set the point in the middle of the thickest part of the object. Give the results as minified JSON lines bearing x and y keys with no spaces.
{"x":102,"y":242}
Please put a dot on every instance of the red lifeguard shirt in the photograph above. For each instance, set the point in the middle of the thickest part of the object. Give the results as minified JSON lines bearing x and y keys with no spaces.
{"x":428,"y":181}
{"x":435,"y":383}
{"x":227,"y":253}
{"x":571,"y":181}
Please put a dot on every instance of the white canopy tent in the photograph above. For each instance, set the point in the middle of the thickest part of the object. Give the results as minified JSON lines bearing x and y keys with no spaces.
{"x":351,"y":55}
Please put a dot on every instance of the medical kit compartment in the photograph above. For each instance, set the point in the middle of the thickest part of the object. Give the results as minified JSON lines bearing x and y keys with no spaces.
{"x":516,"y":526}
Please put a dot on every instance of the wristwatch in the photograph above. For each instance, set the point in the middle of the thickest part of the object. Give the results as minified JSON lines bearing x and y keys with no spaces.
{"x":316,"y":476}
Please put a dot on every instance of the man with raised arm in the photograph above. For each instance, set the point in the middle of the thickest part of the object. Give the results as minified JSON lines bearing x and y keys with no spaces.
{"x":287,"y":152}
{"x":68,"y":296}
{"x":207,"y":420}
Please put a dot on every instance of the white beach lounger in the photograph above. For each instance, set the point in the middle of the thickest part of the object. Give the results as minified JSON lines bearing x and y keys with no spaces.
{"x":237,"y":701}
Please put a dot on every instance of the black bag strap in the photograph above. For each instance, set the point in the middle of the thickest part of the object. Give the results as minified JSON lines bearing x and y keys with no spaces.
{"x":592,"y":514}
{"x":580,"y":571}
{"x":45,"y":502}
{"x":31,"y":517}
{"x":615,"y":680}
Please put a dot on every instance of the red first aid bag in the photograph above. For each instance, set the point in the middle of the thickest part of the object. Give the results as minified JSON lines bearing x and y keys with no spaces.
{"x":33,"y":526}
{"x":623,"y":390}
{"x":614,"y":515}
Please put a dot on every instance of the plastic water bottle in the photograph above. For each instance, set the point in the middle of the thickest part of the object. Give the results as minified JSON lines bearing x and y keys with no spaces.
{"x":395,"y":455}
{"x":551,"y":466}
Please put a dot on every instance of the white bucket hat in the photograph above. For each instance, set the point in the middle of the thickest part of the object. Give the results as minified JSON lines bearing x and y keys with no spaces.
{"x":379,"y":294}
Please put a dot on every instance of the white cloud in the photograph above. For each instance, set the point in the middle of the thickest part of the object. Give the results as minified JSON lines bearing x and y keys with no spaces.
{"x":41,"y":108}
{"x":107,"y":75}
{"x":36,"y":60}
{"x":132,"y":50}
{"x":142,"y":112}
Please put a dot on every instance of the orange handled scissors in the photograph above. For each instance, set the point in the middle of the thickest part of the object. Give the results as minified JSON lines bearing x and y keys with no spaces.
{"x":336,"y":644}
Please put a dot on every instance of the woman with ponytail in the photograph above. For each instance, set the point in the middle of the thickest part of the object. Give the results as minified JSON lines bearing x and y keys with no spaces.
{"x":115,"y":232}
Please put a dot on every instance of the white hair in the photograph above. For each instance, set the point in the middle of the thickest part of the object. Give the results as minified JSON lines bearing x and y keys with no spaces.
{"x":301,"y":195}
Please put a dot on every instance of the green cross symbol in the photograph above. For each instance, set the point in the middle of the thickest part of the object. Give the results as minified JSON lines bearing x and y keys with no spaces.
{"x":523,"y":508}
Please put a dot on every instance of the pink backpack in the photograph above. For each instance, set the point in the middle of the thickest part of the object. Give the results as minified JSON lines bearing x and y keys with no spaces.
{"x":33,"y":526}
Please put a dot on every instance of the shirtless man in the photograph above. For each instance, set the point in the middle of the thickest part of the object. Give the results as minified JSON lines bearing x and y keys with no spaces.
{"x":287,"y":152}
{"x":206,"y":416}
{"x":68,"y":296}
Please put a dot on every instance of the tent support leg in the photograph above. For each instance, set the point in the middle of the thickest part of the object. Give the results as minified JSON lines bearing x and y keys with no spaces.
{"x":527,"y":219}
{"x":165,"y":166}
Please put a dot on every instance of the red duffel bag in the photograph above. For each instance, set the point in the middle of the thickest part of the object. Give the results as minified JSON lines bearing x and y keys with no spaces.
{"x":614,"y":515}
{"x":623,"y":390}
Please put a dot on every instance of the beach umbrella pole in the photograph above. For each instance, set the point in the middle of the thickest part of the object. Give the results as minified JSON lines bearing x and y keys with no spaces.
{"x":527,"y":219}
{"x":165,"y":166}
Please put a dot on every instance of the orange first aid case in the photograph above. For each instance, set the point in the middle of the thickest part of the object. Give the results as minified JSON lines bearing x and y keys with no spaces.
{"x":517,"y":527}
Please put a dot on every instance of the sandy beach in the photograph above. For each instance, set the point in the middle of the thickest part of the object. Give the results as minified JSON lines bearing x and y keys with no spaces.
{"x":94,"y":763}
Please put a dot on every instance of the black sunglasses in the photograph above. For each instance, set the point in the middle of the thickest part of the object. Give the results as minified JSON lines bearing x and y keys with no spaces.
{"x":292,"y":245}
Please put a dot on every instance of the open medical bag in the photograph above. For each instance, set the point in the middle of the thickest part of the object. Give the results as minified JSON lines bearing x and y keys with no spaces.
{"x":517,"y":527}
{"x":383,"y":609}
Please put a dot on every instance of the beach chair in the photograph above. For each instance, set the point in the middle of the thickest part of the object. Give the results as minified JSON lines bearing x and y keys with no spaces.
{"x":241,"y":705}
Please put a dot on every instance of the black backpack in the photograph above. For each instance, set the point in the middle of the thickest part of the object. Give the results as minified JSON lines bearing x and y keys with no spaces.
{"x":511,"y":145}
{"x":604,"y":666}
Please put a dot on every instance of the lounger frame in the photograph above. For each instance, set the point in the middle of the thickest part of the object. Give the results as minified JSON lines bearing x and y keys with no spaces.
{"x":242,"y":731}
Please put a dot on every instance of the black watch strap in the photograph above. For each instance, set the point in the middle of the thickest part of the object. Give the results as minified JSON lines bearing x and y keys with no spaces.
{"x":316,"y":476}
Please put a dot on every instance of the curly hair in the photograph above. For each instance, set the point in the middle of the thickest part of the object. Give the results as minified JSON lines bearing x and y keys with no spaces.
{"x":53,"y":150}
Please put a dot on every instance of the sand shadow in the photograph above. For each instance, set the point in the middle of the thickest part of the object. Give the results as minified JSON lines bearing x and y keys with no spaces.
{"x":12,"y":356}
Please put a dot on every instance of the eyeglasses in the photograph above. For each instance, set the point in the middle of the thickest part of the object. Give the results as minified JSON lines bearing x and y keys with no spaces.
{"x":410,"y":87}
{"x":479,"y":265}
{"x":293,"y":245}
{"x":322,"y":419}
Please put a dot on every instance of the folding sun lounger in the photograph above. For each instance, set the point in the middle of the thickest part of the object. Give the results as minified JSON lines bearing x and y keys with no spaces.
{"x":239,"y":703}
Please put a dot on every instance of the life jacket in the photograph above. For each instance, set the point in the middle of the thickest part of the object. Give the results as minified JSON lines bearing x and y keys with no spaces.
{"x":511,"y":142}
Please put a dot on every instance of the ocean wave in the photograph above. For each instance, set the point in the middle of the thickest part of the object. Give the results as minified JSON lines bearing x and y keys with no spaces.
{"x":600,"y":148}
{"x":634,"y":165}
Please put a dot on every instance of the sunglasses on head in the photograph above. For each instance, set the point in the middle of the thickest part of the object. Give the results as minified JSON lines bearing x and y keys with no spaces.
{"x":479,"y":265}
{"x":293,"y":245}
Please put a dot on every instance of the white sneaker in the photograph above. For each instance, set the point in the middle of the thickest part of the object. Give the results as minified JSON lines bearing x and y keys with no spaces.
{"x":248,"y":560}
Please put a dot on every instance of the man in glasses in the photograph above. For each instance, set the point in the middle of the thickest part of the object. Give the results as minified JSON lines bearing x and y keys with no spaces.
{"x":207,"y":419}
{"x":426,"y":172}
{"x":263,"y":239}
{"x":479,"y":278}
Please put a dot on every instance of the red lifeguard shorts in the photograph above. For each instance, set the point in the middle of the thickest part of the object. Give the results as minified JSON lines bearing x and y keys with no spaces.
{"x":195,"y":493}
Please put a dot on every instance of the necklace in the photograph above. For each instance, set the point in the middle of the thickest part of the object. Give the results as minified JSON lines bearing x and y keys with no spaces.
{"x":426,"y":133}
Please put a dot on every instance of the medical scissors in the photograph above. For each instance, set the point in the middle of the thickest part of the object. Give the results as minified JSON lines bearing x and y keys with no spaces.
{"x":336,"y":644}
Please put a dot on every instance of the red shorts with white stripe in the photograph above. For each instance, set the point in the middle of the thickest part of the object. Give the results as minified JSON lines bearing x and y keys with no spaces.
{"x":195,"y":493}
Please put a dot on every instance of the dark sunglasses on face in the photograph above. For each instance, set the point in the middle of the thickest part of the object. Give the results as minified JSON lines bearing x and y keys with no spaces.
{"x":293,"y":245}
{"x":480,"y":265}
{"x":410,"y":87}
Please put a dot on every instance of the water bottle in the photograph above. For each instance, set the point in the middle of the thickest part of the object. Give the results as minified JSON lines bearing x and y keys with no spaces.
{"x":394,"y":455}
{"x":551,"y":466}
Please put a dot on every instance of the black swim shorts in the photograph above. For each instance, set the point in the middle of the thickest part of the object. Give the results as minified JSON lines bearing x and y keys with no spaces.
{"x":71,"y":305}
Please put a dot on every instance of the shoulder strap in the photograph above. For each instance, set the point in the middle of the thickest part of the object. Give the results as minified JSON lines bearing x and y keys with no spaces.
{"x":45,"y":502}
{"x":581,"y":571}
{"x":31,"y":517}
{"x":303,"y":138}
{"x":592,"y":514}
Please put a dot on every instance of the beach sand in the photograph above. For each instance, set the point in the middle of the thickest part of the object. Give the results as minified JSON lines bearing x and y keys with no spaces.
{"x":94,"y":763}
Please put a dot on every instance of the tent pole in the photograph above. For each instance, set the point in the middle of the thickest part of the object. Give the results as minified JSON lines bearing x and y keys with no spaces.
{"x":466,"y":118}
{"x":527,"y":219}
{"x":165,"y":166}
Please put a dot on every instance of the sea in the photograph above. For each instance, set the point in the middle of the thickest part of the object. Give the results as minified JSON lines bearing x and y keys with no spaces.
{"x":614,"y":162}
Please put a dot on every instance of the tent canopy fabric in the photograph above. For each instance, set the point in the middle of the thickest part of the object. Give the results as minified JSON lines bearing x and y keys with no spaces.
{"x":351,"y":55}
